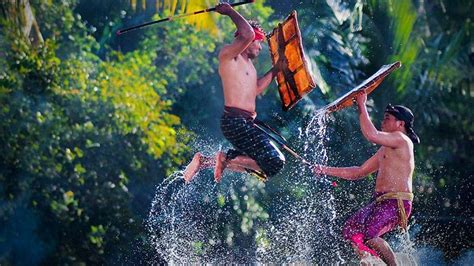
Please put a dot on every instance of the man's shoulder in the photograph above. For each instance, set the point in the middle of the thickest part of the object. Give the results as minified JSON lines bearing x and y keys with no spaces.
{"x":224,"y":48}
{"x":402,"y":137}
{"x":402,"y":140}
{"x":224,"y":55}
{"x":405,"y":138}
{"x":226,"y":59}
{"x":226,"y":52}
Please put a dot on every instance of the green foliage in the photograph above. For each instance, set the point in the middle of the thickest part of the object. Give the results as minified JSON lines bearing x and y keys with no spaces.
{"x":439,"y":96}
{"x":131,"y":83}
{"x":395,"y":22}
{"x":60,"y":24}
{"x":78,"y":134}
{"x":88,"y":131}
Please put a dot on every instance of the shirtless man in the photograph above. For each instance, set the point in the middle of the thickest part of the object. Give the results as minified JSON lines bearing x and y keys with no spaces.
{"x":394,"y":164}
{"x":254,"y":152}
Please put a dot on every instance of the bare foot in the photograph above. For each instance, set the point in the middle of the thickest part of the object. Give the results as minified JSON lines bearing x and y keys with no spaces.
{"x":220,"y":166}
{"x":193,"y":167}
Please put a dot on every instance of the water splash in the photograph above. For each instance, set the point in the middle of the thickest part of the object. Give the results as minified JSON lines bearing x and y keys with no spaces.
{"x":291,"y":219}
{"x":196,"y":223}
{"x":302,"y":228}
{"x":243,"y":220}
{"x":179,"y":220}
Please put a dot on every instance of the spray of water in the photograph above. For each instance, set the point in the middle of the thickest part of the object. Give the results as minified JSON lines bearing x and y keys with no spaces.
{"x":207,"y":223}
{"x":302,"y":228}
{"x":179,"y":220}
{"x":242,"y":220}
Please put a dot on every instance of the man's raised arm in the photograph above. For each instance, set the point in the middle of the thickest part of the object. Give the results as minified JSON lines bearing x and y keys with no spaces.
{"x":245,"y":32}
{"x":369,"y":131}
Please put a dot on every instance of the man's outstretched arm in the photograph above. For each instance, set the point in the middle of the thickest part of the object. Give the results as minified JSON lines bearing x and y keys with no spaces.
{"x":349,"y":173}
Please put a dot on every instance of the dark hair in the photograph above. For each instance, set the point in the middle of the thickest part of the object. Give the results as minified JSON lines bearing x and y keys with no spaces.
{"x":255,"y":25}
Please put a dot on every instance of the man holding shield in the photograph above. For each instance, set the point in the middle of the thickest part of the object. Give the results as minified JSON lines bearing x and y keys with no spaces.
{"x":254,"y":152}
{"x":394,"y":163}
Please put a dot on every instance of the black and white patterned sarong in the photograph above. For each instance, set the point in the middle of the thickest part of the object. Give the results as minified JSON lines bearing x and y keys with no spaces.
{"x":238,"y":127}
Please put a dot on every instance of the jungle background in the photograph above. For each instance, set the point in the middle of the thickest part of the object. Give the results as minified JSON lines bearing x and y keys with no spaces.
{"x":93,"y":122}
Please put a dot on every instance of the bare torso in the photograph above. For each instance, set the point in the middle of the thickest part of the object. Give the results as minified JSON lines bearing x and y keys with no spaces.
{"x":239,"y":80}
{"x":396,"y":167}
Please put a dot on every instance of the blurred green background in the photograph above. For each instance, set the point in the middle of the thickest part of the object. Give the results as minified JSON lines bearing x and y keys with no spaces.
{"x":92,"y":122}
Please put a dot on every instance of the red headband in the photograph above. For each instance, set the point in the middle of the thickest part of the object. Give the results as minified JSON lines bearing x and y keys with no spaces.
{"x":259,"y":34}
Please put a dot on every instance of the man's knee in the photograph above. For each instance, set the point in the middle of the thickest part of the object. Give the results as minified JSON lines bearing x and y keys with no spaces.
{"x":373,"y":241}
{"x":369,"y":242}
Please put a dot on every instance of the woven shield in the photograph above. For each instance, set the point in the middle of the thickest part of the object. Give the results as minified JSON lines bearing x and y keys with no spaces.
{"x":294,"y":79}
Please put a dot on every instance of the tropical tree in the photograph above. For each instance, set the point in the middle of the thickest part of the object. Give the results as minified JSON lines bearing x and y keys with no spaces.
{"x":81,"y":139}
{"x":92,"y":122}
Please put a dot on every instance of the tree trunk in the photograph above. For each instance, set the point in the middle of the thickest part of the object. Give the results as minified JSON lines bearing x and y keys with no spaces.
{"x":20,"y":14}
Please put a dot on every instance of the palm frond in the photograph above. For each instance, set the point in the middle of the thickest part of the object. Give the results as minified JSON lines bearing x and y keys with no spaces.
{"x":395,"y":21}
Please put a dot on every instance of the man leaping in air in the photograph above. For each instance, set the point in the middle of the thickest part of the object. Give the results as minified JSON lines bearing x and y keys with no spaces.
{"x":394,"y":164}
{"x":254,"y":152}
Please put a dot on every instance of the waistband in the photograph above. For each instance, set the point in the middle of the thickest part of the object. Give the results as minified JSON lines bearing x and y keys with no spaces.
{"x":400,"y":197}
{"x":394,"y":195}
{"x":234,"y":111}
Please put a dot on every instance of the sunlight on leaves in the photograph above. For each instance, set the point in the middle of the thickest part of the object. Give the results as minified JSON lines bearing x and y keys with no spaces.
{"x":170,"y":8}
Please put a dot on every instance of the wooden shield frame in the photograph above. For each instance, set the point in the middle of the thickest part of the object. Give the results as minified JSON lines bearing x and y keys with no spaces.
{"x":294,"y":79}
{"x":367,"y":85}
